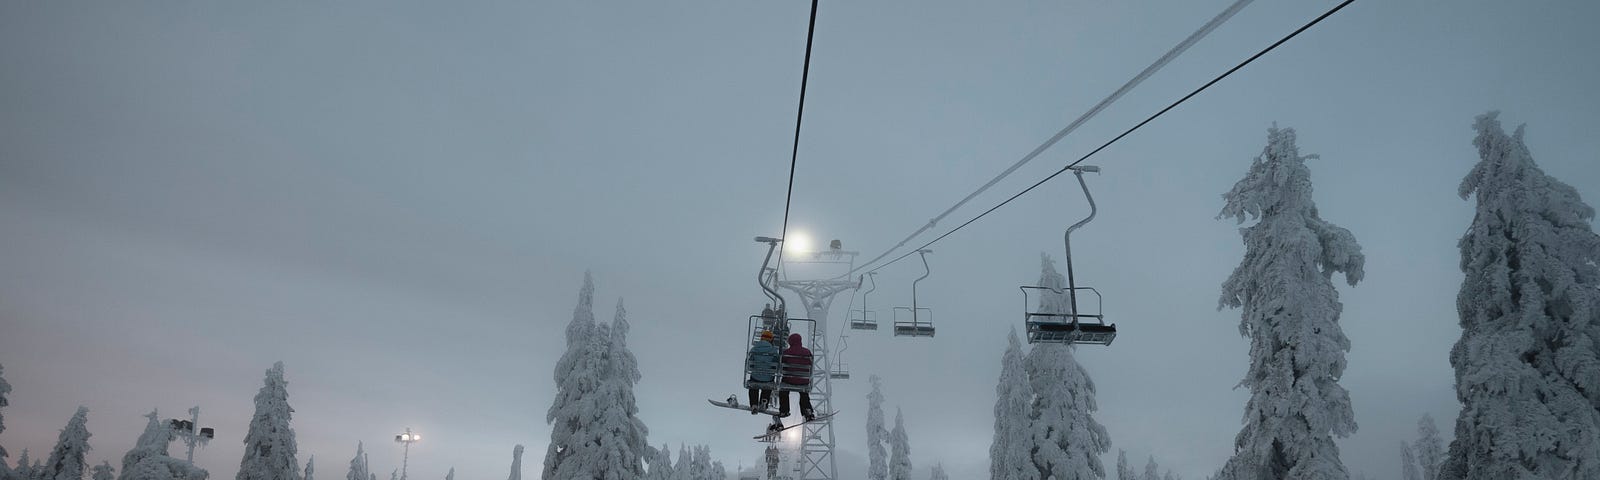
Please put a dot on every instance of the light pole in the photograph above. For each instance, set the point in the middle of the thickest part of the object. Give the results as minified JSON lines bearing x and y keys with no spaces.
{"x":186,"y":430}
{"x":407,"y":438}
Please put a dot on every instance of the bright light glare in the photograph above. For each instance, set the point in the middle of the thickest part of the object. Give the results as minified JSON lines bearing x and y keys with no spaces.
{"x":797,"y":242}
{"x":793,"y":434}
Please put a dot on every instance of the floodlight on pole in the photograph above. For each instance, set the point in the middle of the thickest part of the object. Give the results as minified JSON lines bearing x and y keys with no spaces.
{"x":191,"y":436}
{"x":406,"y":438}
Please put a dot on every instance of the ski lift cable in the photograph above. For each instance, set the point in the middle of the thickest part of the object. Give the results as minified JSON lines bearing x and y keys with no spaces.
{"x":800,"y":113}
{"x":1130,"y":130}
{"x":1095,"y":110}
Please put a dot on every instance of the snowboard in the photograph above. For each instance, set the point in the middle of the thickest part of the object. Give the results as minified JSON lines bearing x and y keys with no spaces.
{"x":738,"y":406}
{"x":772,"y":434}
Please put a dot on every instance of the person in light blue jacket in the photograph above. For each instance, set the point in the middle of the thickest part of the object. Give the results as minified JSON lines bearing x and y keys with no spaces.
{"x":763,"y":366}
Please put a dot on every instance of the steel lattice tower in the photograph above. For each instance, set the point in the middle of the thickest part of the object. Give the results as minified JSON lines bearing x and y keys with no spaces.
{"x":816,"y":446}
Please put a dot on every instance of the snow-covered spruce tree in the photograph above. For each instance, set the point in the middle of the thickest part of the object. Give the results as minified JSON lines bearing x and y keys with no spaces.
{"x":622,"y":435}
{"x":685,"y":466}
{"x":358,"y":465}
{"x":1528,"y":361}
{"x":1291,"y":315}
{"x":309,"y":470}
{"x":877,"y":464}
{"x":1408,"y":463}
{"x":1125,"y":471}
{"x":451,"y":475}
{"x":938,"y":473}
{"x":152,"y":443}
{"x":660,"y":464}
{"x":718,"y":471}
{"x":516,"y":463}
{"x":1009,"y":457}
{"x":66,"y":460}
{"x":1066,"y":440}
{"x":24,"y":469}
{"x":104,"y":471}
{"x":572,"y":452}
{"x":701,"y":468}
{"x":899,"y":449}
{"x":5,"y":389}
{"x":394,"y":474}
{"x":1429,"y":448}
{"x":269,"y":447}
{"x":1152,"y":471}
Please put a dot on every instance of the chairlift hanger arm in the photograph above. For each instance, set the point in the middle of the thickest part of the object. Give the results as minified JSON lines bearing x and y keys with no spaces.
{"x":761,"y":276}
{"x":925,"y":272}
{"x":874,"y":277}
{"x":1066,"y":238}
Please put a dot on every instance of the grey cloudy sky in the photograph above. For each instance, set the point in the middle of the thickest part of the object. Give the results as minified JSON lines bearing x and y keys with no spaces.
{"x":399,"y":200}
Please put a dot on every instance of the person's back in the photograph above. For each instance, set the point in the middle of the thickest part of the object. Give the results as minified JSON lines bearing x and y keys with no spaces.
{"x":796,"y":362}
{"x":763,"y":360}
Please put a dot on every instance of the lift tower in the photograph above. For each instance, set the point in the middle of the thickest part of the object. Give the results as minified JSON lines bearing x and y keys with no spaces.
{"x":816,"y":291}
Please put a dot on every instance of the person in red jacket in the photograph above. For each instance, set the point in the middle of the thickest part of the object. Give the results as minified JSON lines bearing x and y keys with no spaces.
{"x":796,"y":375}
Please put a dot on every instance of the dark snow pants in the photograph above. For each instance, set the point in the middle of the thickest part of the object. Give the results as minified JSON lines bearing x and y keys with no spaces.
{"x":805,"y":403}
{"x":760,"y":397}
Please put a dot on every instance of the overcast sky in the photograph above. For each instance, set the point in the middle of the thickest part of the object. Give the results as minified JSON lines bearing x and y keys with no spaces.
{"x":399,"y":200}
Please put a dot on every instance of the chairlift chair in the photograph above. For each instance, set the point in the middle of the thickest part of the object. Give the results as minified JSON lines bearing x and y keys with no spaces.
{"x":780,"y":339}
{"x":918,"y":320}
{"x":865,"y":319}
{"x":1066,"y":322}
{"x":840,"y":371}
{"x":777,"y":322}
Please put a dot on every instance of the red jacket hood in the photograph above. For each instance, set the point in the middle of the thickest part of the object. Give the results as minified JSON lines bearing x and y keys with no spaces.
{"x":794,"y":340}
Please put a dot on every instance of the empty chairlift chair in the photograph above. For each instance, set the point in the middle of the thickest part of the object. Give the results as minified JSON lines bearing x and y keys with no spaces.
{"x":1060,"y":315}
{"x":865,"y":319}
{"x":915,"y":321}
{"x":840,"y":371}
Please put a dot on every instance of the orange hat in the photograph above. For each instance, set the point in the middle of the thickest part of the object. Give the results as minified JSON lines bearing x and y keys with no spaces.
{"x":766,"y":335}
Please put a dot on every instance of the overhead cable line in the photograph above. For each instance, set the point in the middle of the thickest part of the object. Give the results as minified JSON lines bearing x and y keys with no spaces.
{"x":1131,"y":83}
{"x":800,"y":114}
{"x":1130,"y":130}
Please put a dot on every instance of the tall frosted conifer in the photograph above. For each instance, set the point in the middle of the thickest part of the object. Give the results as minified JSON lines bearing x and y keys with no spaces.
{"x":597,"y":433}
{"x":152,"y":443}
{"x":516,"y":463}
{"x":1066,"y":440}
{"x":1528,"y":361}
{"x":577,"y":379}
{"x":877,"y":458}
{"x":899,"y":449}
{"x":269,"y":447}
{"x":1429,"y":448}
{"x":67,"y":459}
{"x":938,"y":473}
{"x":621,"y":432}
{"x":1124,"y":470}
{"x":660,"y":464}
{"x":104,"y":471}
{"x":683,"y":469}
{"x":5,"y":389}
{"x":1291,"y":316}
{"x":24,"y":470}
{"x":1408,"y":463}
{"x":1009,"y":457}
{"x":358,"y":465}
